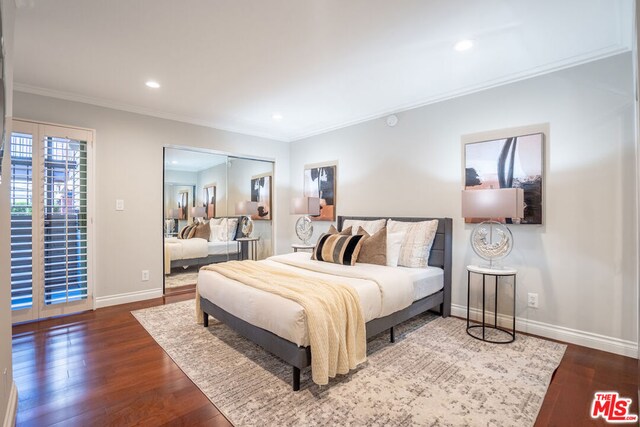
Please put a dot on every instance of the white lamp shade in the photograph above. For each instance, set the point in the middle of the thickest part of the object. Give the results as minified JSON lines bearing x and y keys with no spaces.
{"x":198,"y":211}
{"x":493,"y":203}
{"x":246,"y":208}
{"x":174,"y":213}
{"x":305,"y":206}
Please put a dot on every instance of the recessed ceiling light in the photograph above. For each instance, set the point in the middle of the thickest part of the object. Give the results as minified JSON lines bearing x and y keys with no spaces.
{"x":276,"y":116}
{"x":153,"y":84}
{"x":463,"y":45}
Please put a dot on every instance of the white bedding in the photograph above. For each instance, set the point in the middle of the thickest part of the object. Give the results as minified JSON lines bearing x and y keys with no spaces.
{"x":222,"y":248}
{"x":185,"y":248}
{"x":383,"y":290}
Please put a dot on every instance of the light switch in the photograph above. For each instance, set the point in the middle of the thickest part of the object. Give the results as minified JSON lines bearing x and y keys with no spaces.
{"x":119,"y":205}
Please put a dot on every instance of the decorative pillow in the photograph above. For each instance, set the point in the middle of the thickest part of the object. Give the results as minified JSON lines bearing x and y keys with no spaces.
{"x":338,"y":249}
{"x":374,"y":248}
{"x":232,"y":228}
{"x":371,"y":227}
{"x":417,"y":241}
{"x":202,"y":230}
{"x":218,"y":233}
{"x":184,"y":231}
{"x":394,"y":243}
{"x":192,"y":231}
{"x":213,"y":237}
{"x":334,"y":230}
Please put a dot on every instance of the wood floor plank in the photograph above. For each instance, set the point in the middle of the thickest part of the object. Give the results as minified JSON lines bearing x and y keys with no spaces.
{"x":102,"y":368}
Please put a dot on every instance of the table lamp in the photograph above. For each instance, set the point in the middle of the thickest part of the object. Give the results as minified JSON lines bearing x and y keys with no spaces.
{"x":305,"y":206}
{"x":246,"y":209}
{"x":492,"y":240}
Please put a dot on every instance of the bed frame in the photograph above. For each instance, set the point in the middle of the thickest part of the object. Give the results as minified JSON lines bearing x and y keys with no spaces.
{"x":212,"y":259}
{"x":300,"y":357}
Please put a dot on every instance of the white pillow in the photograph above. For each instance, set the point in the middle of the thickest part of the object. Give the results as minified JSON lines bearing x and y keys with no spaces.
{"x":417,"y":241}
{"x":394,"y":243}
{"x":218,"y":233}
{"x":213,"y":235}
{"x":371,"y":227}
{"x":232,"y":227}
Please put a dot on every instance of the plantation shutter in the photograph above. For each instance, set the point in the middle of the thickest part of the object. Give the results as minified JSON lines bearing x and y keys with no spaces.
{"x":51,"y":220}
{"x":21,"y":206}
{"x":64,"y":222}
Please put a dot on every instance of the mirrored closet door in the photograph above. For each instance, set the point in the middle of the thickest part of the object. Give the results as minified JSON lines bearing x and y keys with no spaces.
{"x":216,"y":208}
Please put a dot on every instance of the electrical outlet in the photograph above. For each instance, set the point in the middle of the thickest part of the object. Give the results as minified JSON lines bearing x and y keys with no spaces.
{"x":119,"y":205}
{"x":145,"y":275}
{"x":532,"y":300}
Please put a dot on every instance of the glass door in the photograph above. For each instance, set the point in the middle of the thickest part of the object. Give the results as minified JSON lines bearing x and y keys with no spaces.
{"x":51,"y":223}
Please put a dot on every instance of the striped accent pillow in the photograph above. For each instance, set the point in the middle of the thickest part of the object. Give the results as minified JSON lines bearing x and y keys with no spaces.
{"x":337,"y":248}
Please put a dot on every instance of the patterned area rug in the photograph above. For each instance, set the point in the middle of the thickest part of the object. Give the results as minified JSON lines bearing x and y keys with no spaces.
{"x":179,"y":278}
{"x":435,"y":375}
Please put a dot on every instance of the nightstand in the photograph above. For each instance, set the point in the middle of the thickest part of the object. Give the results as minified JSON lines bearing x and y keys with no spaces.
{"x":497,"y":274}
{"x":245,"y":242}
{"x":302,"y":247}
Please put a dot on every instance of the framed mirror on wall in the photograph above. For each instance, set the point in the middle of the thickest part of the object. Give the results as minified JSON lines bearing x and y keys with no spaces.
{"x":205,"y":220}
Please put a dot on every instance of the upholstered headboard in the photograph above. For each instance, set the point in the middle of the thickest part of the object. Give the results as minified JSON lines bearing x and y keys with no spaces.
{"x":441,"y":251}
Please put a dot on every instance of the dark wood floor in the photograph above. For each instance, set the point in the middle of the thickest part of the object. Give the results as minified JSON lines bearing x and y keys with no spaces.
{"x":102,"y":368}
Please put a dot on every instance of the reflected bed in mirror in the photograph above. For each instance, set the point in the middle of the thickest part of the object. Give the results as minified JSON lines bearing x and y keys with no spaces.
{"x":201,"y":225}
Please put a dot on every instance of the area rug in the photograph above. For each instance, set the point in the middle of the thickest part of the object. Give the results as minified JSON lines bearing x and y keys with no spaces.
{"x":434,"y":375}
{"x":179,"y":278}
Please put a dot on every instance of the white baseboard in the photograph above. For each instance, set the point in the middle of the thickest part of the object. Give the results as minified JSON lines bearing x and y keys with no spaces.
{"x":12,"y":407}
{"x":560,"y":333}
{"x":127,"y":297}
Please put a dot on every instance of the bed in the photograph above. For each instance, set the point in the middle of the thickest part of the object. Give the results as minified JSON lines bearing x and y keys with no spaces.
{"x":198,"y":252}
{"x":284,"y":334}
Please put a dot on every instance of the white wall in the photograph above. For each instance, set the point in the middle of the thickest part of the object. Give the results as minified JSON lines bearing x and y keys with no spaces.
{"x":582,"y":261}
{"x":8,"y":396}
{"x":129,"y":166}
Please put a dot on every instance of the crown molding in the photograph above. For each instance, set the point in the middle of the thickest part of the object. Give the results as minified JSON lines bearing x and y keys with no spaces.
{"x":250,"y":130}
{"x":99,"y":102}
{"x":607,"y":52}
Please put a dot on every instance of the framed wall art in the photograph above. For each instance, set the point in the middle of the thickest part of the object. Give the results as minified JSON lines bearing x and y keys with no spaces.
{"x":261,"y":193}
{"x":209,"y":201}
{"x":515,"y":161}
{"x":320,"y":181}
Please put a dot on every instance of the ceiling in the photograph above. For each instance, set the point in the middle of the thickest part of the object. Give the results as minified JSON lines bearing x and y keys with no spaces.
{"x":322,"y":65}
{"x":177,"y":159}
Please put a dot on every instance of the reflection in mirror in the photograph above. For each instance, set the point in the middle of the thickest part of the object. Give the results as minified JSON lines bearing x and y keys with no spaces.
{"x":216,"y":208}
{"x":195,"y":205}
{"x":250,"y":189}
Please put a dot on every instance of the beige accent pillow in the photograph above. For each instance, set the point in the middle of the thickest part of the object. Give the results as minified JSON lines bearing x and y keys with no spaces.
{"x":371,"y":227}
{"x":334,"y":230}
{"x":417,"y":241}
{"x":374,"y":248}
{"x":184,"y":231}
{"x":202,"y":231}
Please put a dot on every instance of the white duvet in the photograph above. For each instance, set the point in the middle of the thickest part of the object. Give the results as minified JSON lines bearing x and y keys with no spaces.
{"x":186,"y":248}
{"x":383,"y":290}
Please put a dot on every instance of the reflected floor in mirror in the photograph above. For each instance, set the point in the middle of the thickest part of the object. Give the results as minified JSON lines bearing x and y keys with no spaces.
{"x":180,"y":277}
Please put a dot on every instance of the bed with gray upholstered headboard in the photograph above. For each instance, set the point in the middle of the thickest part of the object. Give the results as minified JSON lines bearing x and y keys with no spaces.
{"x":297,"y":355}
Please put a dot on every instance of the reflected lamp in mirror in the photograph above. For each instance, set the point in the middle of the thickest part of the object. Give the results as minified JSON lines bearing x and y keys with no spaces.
{"x":198,"y":213}
{"x":246,"y":209}
{"x":305,"y":206}
{"x":491,"y":240}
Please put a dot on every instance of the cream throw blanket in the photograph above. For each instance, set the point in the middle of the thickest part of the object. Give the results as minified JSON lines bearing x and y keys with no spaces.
{"x":334,"y":317}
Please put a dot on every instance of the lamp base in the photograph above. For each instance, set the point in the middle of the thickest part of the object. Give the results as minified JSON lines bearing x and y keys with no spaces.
{"x":304,"y":229}
{"x":491,"y":241}
{"x":246,"y":226}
